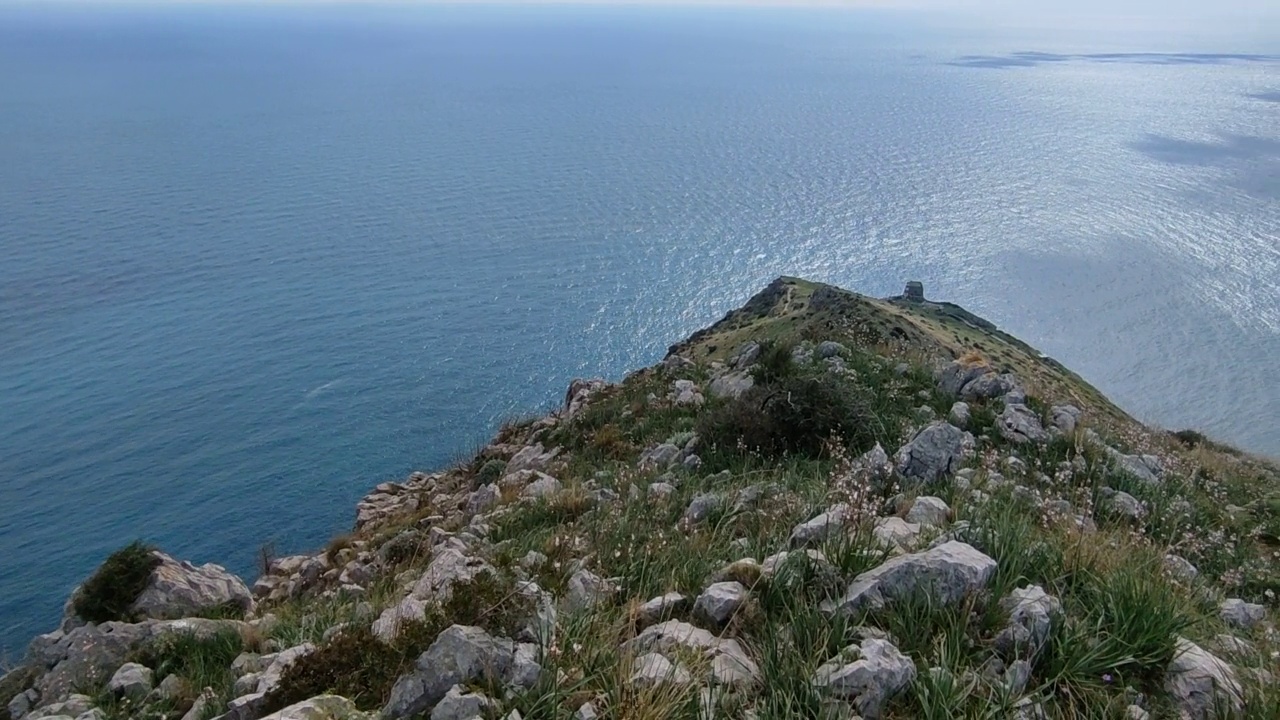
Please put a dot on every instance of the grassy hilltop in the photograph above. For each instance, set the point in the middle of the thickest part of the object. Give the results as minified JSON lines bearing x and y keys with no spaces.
{"x":824,"y":505}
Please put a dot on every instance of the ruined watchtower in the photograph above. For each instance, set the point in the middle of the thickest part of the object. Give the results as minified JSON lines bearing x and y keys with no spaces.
{"x":914,"y":291}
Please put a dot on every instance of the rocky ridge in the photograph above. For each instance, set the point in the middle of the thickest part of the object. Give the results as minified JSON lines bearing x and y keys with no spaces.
{"x":726,"y":535}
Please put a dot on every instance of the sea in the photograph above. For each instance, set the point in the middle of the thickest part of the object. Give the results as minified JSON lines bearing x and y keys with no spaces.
{"x":256,"y":259}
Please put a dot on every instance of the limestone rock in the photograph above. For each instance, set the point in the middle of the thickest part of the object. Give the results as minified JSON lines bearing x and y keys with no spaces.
{"x":894,"y":532}
{"x":1019,"y":424}
{"x":460,"y":655}
{"x":245,"y":707}
{"x":960,"y":416}
{"x":934,"y":453}
{"x":170,"y":688}
{"x":828,"y":524}
{"x":874,"y":464}
{"x":1065,"y":418}
{"x":271,"y":676}
{"x":1031,"y":612}
{"x":956,"y":375}
{"x":1146,"y":468}
{"x":730,"y":663}
{"x":746,"y":355}
{"x":1128,"y":505}
{"x":660,"y":456}
{"x":72,"y":706}
{"x":828,"y":349}
{"x":718,"y":603}
{"x":653,"y":669}
{"x":686,"y":392}
{"x":990,"y":386}
{"x":701,"y":507}
{"x":132,"y":680}
{"x":731,"y":385}
{"x":1180,"y":567}
{"x":975,"y":381}
{"x":929,"y":510}
{"x":579,"y":395}
{"x":769,"y":568}
{"x":868,"y":675}
{"x":458,"y":704}
{"x":532,"y":457}
{"x":199,"y":708}
{"x":661,"y":490}
{"x":948,"y":572}
{"x":483,"y":499}
{"x":544,"y":487}
{"x":19,"y":705}
{"x":586,"y":589}
{"x":178,"y":589}
{"x":1199,"y":683}
{"x":449,"y":568}
{"x":322,"y":707}
{"x":1241,"y":614}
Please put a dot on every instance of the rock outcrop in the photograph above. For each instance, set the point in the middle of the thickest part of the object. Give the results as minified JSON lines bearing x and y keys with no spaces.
{"x":947,"y":572}
{"x":934,"y":453}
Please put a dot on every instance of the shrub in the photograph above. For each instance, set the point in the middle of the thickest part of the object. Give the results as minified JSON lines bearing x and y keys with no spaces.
{"x":109,"y":593}
{"x":490,"y":472}
{"x":793,"y":414}
{"x":776,"y":362}
{"x":354,"y":663}
{"x":406,"y":546}
{"x":610,"y":442}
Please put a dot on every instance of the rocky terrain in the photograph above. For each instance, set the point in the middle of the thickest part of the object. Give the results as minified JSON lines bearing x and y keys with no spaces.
{"x":823,"y":506}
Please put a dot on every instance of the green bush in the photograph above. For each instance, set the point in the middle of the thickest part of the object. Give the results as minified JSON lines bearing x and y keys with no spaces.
{"x":776,"y":361}
{"x":355,"y":664}
{"x":792,"y":414}
{"x":490,"y":472}
{"x":108,"y":595}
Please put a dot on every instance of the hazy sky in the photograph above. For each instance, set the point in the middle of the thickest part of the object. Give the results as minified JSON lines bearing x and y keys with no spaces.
{"x":1255,"y":19}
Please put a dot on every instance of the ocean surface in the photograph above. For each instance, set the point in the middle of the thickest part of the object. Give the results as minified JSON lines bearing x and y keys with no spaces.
{"x":253,"y":262}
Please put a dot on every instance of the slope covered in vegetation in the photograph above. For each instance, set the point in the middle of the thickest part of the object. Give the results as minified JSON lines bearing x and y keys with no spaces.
{"x":823,"y":506}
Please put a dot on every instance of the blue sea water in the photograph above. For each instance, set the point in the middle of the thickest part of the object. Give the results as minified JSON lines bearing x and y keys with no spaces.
{"x":254,"y":261}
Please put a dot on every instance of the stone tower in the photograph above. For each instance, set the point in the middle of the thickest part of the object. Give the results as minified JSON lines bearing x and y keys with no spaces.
{"x":914,"y":291}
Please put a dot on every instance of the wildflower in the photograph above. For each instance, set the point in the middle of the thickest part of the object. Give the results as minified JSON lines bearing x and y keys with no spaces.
{"x":1107,"y":678}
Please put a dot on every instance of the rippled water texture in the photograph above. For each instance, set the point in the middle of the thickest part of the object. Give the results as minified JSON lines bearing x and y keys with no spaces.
{"x":252,"y":262}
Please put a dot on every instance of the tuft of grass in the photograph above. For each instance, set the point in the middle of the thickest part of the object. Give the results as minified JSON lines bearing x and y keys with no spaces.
{"x":109,"y":594}
{"x":336,"y":545}
{"x":202,"y":661}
